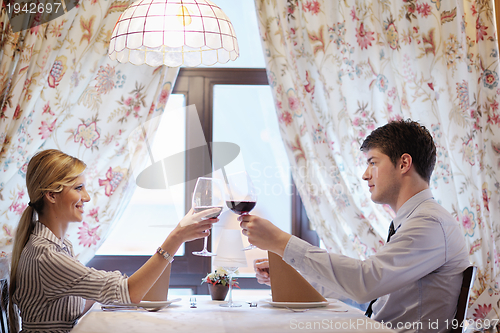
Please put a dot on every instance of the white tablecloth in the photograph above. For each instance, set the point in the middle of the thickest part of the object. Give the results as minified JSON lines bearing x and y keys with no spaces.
{"x":210,"y":317}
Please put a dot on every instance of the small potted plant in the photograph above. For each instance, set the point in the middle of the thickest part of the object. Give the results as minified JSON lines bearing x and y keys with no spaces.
{"x":218,"y":283}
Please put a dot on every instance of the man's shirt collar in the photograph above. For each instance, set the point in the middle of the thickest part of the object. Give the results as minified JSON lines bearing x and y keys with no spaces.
{"x":410,"y":205}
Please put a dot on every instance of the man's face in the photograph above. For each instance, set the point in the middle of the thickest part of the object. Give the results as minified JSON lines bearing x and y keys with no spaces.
{"x":382,"y":177}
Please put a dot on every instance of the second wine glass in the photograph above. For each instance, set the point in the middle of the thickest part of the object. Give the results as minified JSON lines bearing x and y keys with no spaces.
{"x":241,"y":196}
{"x":208,"y":193}
{"x":230,"y":303}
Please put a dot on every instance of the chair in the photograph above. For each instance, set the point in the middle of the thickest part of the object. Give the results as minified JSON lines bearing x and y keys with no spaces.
{"x":463,"y":299}
{"x":4,"y":299}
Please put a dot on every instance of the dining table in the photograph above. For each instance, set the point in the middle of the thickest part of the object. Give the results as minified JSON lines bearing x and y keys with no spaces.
{"x":257,"y":314}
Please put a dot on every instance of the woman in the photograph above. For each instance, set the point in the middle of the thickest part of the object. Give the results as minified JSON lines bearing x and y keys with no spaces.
{"x":49,"y":286}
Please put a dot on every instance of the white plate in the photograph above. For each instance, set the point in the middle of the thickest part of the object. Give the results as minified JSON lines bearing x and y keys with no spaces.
{"x":151,"y":304}
{"x":298,"y":305}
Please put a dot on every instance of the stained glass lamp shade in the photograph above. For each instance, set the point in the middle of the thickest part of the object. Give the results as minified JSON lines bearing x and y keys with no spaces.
{"x":173,"y":33}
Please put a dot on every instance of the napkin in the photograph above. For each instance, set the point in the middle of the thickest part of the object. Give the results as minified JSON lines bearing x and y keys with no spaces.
{"x":159,"y":290}
{"x":287,"y":285}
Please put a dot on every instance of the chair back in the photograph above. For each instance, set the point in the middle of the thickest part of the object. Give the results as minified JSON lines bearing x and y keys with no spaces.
{"x":469,"y":276}
{"x":4,"y":301}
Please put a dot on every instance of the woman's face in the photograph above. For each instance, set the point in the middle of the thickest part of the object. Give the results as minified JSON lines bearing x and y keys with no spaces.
{"x":71,"y":200}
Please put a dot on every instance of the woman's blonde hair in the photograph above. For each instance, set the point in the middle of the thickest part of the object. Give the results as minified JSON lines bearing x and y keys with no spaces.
{"x":48,"y":171}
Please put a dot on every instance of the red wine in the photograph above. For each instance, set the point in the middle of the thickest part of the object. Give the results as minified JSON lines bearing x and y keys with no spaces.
{"x":210,"y":216}
{"x":241,"y":207}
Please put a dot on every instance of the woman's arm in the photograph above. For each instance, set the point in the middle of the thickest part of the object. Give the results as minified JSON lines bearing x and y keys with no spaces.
{"x":190,"y":228}
{"x":62,"y":275}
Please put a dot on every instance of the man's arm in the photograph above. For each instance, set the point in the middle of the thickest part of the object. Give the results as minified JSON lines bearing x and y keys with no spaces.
{"x":414,"y":251}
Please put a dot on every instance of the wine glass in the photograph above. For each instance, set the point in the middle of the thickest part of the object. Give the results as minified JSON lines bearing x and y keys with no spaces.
{"x":241,"y":195}
{"x":208,"y":193}
{"x":230,"y":304}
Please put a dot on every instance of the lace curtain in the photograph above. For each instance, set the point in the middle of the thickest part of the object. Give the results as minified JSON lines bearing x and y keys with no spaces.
{"x":339,"y":69}
{"x":60,"y":90}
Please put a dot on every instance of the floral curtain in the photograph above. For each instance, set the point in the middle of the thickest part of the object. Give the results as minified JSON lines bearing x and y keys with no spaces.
{"x":339,"y":69}
{"x":60,"y":90}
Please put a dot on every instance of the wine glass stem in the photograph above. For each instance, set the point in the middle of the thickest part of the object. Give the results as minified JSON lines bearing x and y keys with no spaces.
{"x":205,"y":243}
{"x":230,"y":301}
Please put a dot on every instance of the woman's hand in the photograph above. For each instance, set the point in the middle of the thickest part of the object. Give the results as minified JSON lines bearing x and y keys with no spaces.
{"x":264,"y":234}
{"x":193,"y":226}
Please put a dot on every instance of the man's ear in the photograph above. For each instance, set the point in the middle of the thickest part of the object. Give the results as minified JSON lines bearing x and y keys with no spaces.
{"x":406,"y":163}
{"x":51,"y":197}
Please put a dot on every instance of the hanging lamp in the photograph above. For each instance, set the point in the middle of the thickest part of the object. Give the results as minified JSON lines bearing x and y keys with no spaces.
{"x":173,"y":33}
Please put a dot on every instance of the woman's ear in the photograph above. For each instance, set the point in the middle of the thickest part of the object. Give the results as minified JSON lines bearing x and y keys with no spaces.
{"x":50,"y":197}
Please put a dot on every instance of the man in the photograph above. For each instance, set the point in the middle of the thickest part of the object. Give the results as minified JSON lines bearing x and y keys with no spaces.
{"x":416,"y":276}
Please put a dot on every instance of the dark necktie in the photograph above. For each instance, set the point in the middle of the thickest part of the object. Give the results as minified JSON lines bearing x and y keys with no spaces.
{"x":369,"y":311}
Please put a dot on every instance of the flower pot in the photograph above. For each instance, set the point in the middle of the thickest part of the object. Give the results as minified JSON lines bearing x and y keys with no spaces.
{"x":218,"y":291}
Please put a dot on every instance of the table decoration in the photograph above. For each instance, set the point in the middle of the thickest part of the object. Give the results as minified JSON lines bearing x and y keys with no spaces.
{"x":218,"y":283}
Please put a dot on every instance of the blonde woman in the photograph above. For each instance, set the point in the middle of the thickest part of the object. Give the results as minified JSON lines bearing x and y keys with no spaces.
{"x":49,"y":287}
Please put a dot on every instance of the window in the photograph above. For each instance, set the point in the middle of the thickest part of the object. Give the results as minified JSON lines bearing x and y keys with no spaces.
{"x":245,"y":115}
{"x":151,"y":214}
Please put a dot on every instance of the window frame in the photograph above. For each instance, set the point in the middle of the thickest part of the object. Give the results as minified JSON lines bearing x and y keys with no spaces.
{"x":197,"y":85}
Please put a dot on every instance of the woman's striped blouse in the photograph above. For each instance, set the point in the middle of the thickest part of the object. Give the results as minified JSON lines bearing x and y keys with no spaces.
{"x":52,"y":285}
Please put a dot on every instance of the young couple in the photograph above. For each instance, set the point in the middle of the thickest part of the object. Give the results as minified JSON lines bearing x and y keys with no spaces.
{"x":416,"y":276}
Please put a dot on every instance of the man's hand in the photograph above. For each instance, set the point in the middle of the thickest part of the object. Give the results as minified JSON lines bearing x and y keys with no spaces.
{"x":264,"y":234}
{"x":261,"y":267}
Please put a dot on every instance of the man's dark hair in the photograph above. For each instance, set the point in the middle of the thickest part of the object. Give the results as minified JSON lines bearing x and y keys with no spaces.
{"x":405,"y":136}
